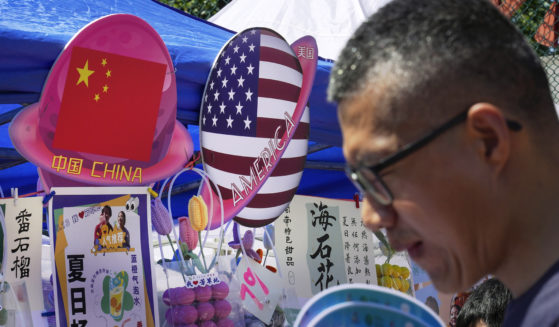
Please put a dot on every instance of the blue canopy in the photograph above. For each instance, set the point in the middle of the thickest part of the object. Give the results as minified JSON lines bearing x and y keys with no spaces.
{"x":34,"y":32}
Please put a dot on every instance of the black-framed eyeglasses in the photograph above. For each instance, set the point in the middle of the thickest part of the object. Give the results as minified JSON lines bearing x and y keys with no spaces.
{"x":367,"y":179}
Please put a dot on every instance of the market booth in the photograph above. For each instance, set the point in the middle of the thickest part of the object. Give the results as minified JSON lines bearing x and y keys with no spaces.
{"x":179,"y":173}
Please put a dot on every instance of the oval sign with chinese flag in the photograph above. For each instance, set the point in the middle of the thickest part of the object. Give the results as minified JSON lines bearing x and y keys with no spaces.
{"x":107,"y":113}
{"x":254,"y":123}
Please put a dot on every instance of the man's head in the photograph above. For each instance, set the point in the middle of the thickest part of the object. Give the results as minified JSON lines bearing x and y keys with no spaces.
{"x":415,"y":55}
{"x":432,"y":303}
{"x":106,"y":213}
{"x":454,"y":311}
{"x":121,"y":219}
{"x":486,"y":305}
{"x":453,"y":199}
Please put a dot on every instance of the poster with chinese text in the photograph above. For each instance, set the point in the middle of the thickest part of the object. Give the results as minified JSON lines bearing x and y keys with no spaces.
{"x":22,"y":222}
{"x":102,"y":257}
{"x":321,"y":243}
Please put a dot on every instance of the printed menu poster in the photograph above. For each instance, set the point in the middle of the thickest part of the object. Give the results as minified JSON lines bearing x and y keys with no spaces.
{"x":102,"y":269}
{"x":322,"y":243}
{"x":20,"y":255}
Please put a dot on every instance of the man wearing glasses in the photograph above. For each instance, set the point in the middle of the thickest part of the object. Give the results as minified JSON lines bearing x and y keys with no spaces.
{"x":451,"y":135}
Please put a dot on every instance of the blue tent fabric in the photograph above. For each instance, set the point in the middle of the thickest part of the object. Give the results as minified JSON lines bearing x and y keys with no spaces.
{"x":34,"y":32}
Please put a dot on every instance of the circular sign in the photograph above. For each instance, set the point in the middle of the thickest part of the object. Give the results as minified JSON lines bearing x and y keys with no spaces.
{"x":254,"y":126}
{"x":107,"y":113}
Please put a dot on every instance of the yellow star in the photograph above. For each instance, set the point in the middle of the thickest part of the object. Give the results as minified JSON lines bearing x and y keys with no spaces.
{"x":84,"y":74}
{"x":105,"y":88}
{"x":96,"y":98}
{"x":108,"y":73}
{"x":104,"y":62}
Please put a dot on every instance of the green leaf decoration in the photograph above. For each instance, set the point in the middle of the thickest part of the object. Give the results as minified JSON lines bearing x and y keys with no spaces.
{"x":184,"y":247}
{"x":193,"y":255}
{"x":199,"y":265}
{"x":384,"y":242}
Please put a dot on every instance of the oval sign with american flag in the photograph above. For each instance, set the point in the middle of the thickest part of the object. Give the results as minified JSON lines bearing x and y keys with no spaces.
{"x":254,"y":125}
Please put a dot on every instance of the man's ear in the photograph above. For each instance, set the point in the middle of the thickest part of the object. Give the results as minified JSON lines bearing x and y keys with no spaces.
{"x":487,"y":126}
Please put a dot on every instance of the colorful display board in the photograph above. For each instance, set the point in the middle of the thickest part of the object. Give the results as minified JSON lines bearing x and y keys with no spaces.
{"x":107,"y":113}
{"x":322,"y":243}
{"x":22,"y":224}
{"x":103,"y":272}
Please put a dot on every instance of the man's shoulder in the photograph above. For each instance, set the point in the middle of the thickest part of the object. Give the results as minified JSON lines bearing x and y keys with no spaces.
{"x":543,"y":310}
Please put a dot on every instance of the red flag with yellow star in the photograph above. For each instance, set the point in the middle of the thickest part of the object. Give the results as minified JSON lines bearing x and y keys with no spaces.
{"x":109,"y":105}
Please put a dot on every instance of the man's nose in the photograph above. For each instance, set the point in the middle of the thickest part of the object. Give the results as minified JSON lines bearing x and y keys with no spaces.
{"x":377,"y":216}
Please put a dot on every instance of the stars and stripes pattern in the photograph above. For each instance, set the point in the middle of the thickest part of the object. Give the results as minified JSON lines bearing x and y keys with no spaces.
{"x":256,"y":79}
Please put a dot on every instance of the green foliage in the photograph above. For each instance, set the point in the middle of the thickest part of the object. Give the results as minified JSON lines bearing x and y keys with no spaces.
{"x":528,"y":18}
{"x":200,"y":8}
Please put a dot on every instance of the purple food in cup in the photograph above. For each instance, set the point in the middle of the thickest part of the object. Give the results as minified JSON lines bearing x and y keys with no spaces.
{"x":206,"y":311}
{"x":182,"y":314}
{"x":203,"y":294}
{"x":178,"y":296}
{"x":225,"y":323}
{"x":222,"y":308}
{"x":207,"y":323}
{"x":220,"y":291}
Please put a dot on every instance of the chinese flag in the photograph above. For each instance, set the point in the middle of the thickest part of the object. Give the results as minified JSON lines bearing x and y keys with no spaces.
{"x":109,"y":105}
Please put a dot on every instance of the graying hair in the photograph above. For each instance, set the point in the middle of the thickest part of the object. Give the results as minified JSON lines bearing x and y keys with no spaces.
{"x":430,"y":49}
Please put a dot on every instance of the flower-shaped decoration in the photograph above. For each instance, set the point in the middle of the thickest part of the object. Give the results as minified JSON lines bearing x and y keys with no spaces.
{"x":160,"y":217}
{"x":248,"y":242}
{"x":187,"y":234}
{"x":198,"y":212}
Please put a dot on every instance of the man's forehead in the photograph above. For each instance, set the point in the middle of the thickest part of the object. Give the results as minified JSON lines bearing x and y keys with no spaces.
{"x":374,"y":149}
{"x":367,"y":108}
{"x":375,"y":125}
{"x":364,"y":140}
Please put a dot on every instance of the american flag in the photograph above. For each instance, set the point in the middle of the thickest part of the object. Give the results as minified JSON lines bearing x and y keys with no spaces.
{"x":256,"y":79}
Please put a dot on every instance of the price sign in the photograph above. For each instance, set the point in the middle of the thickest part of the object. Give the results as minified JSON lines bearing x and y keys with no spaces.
{"x":256,"y":292}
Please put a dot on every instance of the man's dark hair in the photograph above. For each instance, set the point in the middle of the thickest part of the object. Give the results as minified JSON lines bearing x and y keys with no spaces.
{"x":108,"y":210}
{"x":487,"y":303}
{"x":432,"y":303}
{"x":424,"y":56}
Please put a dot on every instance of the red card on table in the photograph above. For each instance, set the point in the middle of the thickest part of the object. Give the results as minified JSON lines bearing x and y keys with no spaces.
{"x":109,"y":105}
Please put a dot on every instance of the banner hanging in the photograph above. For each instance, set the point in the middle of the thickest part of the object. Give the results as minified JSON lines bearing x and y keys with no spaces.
{"x":322,"y":243}
{"x":22,"y":222}
{"x":102,"y":256}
